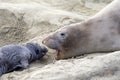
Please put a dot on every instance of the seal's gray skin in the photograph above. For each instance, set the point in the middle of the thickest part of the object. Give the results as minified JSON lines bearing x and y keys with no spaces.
{"x":19,"y":56}
{"x":100,"y":33}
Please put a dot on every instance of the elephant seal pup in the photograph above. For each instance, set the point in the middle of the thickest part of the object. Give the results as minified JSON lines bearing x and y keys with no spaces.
{"x":100,"y":33}
{"x":19,"y":56}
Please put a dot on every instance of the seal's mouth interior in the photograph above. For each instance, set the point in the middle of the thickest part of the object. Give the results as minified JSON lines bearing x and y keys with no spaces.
{"x":57,"y":53}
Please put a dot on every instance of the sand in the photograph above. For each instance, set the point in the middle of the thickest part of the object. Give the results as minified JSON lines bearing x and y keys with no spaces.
{"x":24,"y":21}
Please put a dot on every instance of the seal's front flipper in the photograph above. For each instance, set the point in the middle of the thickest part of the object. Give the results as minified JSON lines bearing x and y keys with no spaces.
{"x":22,"y":65}
{"x":1,"y":72}
{"x":25,"y":64}
{"x":18,"y":68}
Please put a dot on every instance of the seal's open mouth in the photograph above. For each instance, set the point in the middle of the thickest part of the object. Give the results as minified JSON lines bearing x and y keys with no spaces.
{"x":57,"y":53}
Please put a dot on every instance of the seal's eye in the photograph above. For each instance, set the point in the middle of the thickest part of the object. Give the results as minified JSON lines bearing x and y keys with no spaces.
{"x":62,"y":34}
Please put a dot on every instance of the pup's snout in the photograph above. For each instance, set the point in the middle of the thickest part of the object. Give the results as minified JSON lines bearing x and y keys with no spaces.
{"x":44,"y":50}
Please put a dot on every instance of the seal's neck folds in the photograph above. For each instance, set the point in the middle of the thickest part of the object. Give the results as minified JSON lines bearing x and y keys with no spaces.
{"x":113,"y":8}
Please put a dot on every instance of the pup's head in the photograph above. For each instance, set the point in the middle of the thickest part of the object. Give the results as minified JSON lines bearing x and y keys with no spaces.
{"x":37,"y":51}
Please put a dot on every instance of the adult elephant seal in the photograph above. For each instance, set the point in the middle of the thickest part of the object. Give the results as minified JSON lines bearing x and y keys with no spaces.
{"x":14,"y":57}
{"x":100,"y":33}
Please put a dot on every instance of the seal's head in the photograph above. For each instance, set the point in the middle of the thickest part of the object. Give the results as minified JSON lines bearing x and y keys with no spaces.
{"x":37,"y":51}
{"x":66,"y":41}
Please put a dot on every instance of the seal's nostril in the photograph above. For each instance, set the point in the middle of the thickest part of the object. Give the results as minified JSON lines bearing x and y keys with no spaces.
{"x":43,"y":42}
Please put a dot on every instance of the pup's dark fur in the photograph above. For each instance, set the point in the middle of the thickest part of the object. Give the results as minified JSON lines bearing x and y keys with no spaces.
{"x":19,"y":56}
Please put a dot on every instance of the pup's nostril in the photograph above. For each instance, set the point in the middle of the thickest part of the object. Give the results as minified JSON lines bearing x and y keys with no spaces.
{"x":45,"y":50}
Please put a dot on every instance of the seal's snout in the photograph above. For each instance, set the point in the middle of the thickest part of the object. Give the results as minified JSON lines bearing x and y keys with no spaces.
{"x":43,"y":41}
{"x":50,"y":43}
